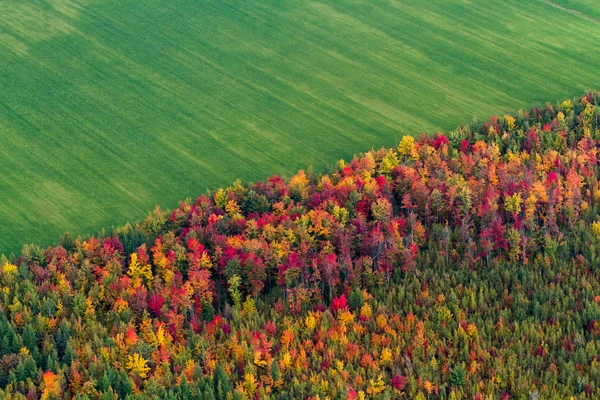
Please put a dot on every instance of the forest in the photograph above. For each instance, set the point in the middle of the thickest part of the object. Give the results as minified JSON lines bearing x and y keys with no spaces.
{"x":459,"y":265}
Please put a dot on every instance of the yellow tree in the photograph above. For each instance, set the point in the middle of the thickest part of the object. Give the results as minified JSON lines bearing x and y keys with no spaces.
{"x":137,"y":365}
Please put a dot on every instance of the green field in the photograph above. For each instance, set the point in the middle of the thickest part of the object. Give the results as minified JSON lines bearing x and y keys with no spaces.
{"x":108,"y":108}
{"x":584,"y":8}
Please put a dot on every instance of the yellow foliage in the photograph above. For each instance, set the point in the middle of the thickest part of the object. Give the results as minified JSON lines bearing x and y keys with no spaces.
{"x":258,"y":360}
{"x":232,"y":208}
{"x":9,"y":269}
{"x":381,"y":321}
{"x":137,"y":365}
{"x":15,"y":306}
{"x":221,"y":198}
{"x":310,"y":321}
{"x":513,"y":203}
{"x":407,"y":149}
{"x":59,"y":308}
{"x":299,"y":179}
{"x":510,"y":121}
{"x":89,"y":310}
{"x":584,"y":206}
{"x":381,"y":209}
{"x":530,"y":204}
{"x":286,"y":361}
{"x":386,"y":356}
{"x":139,"y":271}
{"x":147,"y":332}
{"x":472,"y":330}
{"x":248,"y":306}
{"x":510,"y":156}
{"x":340,"y":214}
{"x":205,"y":261}
{"x":445,"y":314}
{"x":120,"y":305}
{"x":389,"y":162}
{"x":376,"y":387}
{"x":596,"y":229}
{"x":589,"y":111}
{"x":299,"y":184}
{"x":248,"y":387}
{"x":366,"y":311}
{"x":345,"y":317}
{"x":162,"y":336}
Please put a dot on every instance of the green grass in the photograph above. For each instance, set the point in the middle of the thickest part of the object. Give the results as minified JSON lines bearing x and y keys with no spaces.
{"x":108,"y":108}
{"x":585,"y":8}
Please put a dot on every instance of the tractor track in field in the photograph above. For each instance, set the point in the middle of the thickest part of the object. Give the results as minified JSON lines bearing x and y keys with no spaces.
{"x":571,"y":11}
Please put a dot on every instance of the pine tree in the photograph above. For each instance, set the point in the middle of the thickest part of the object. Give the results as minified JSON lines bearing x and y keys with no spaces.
{"x":221,"y":383}
{"x":184,"y":389}
{"x":458,"y":375}
{"x":104,"y":383}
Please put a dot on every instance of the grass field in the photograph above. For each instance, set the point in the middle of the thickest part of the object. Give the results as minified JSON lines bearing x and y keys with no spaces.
{"x":585,"y":8}
{"x":108,"y":108}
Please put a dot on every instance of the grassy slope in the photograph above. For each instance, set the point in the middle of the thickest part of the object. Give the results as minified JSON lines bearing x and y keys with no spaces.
{"x":110,"y":107}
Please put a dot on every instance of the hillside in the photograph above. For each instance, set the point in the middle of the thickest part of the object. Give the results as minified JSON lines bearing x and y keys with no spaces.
{"x":108,"y":107}
{"x":457,"y":266}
